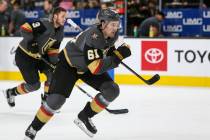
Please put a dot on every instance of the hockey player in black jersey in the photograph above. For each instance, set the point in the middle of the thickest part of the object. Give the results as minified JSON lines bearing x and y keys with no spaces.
{"x":88,"y":57}
{"x":41,"y":38}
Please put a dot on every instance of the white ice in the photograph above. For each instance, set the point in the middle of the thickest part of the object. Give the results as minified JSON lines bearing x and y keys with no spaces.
{"x":155,"y":113}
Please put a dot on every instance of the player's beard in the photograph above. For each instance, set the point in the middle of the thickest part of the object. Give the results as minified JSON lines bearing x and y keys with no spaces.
{"x":58,"y":24}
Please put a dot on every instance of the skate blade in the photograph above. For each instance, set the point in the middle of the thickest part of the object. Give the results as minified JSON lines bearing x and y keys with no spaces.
{"x":26,"y":138}
{"x":80,"y":124}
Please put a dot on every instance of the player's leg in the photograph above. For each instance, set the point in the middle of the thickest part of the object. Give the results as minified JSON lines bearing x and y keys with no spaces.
{"x":48,"y":71}
{"x":47,"y":110}
{"x":48,"y":74}
{"x":109,"y":91}
{"x":62,"y":83}
{"x":29,"y":71}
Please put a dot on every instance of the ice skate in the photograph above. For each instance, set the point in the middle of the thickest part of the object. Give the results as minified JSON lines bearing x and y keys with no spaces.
{"x":84,"y":121}
{"x":10,"y":97}
{"x":30,"y":133}
{"x":85,"y":124}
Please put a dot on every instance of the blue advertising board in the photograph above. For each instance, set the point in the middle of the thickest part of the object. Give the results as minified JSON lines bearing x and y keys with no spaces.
{"x":186,"y":22}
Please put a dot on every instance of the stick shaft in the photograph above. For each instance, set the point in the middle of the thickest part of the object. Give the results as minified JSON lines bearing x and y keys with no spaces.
{"x":140,"y":77}
{"x":150,"y":81}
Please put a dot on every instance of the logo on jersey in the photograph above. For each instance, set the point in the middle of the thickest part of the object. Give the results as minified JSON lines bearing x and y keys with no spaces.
{"x":154,"y":55}
{"x":50,"y":42}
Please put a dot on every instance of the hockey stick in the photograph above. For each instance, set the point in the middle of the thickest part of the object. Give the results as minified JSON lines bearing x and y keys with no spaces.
{"x":150,"y":81}
{"x":116,"y":111}
{"x":73,"y":24}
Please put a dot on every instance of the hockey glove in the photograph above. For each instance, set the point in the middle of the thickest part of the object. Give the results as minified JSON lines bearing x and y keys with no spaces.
{"x":111,"y":50}
{"x":33,"y":48}
{"x":121,"y":53}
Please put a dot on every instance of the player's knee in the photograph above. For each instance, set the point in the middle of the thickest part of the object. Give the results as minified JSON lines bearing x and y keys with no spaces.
{"x":55,"y":101}
{"x":33,"y":87}
{"x":110,"y":91}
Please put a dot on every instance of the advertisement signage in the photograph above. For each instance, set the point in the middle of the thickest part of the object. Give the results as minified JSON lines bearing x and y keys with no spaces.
{"x":154,"y":55}
{"x":186,"y":22}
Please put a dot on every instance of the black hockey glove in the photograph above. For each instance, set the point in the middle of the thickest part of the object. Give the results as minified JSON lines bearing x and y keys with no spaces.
{"x":33,"y":48}
{"x":110,"y":51}
{"x":121,"y":53}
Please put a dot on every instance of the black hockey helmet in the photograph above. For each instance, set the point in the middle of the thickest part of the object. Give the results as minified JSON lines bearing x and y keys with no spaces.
{"x":108,"y":15}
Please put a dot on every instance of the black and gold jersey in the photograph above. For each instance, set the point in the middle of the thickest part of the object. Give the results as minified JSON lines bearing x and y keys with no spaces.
{"x":41,"y":35}
{"x":87,"y":51}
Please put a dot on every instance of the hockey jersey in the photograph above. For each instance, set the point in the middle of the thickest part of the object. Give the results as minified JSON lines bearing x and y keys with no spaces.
{"x":88,"y":51}
{"x":42,"y":36}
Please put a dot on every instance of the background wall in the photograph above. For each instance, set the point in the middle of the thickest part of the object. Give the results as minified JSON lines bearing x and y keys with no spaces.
{"x":180,"y":62}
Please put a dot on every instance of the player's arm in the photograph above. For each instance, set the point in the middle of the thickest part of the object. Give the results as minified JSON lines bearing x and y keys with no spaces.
{"x":53,"y":53}
{"x":95,"y":61}
{"x":29,"y":31}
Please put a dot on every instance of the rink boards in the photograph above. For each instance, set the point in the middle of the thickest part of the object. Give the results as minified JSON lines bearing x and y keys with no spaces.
{"x":179,"y":62}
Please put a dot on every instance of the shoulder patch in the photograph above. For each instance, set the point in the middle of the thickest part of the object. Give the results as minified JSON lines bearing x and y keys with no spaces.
{"x":27,"y":27}
{"x":38,"y":27}
{"x":36,"y":24}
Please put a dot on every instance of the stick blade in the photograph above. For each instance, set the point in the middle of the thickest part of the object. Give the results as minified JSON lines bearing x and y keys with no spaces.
{"x":118,"y":111}
{"x":154,"y":79}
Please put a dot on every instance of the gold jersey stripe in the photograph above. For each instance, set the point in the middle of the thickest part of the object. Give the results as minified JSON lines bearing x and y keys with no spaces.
{"x":95,"y":66}
{"x":67,"y":58}
{"x":34,"y":55}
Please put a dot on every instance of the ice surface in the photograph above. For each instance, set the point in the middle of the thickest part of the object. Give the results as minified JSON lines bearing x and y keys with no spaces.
{"x":155,"y":113}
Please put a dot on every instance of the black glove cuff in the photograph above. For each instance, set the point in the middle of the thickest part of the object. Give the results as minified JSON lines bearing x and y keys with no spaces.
{"x":116,"y":59}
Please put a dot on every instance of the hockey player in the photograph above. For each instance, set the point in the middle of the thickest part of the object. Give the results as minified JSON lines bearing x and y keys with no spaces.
{"x":88,"y":58}
{"x":41,"y":38}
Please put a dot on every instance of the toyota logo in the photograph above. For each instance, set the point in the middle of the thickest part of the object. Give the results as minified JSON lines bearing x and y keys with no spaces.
{"x":154,"y":55}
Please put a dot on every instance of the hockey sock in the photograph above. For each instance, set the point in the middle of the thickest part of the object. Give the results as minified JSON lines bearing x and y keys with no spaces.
{"x":20,"y":89}
{"x":96,"y":105}
{"x":42,"y":117}
{"x":89,"y":111}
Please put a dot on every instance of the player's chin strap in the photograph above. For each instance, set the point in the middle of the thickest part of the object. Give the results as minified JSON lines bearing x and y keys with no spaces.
{"x":112,"y":111}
